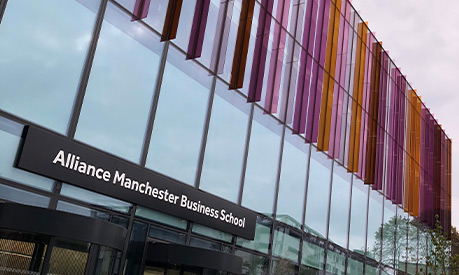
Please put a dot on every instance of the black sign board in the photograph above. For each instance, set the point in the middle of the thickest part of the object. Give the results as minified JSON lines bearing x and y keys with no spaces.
{"x":59,"y":158}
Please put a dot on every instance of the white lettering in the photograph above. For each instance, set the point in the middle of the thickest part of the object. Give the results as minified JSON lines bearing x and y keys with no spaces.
{"x":60,"y":158}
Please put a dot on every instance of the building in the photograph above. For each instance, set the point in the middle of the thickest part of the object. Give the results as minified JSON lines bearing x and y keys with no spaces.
{"x":213,"y":136}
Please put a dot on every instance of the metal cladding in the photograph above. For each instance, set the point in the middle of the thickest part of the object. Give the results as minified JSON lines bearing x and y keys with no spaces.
{"x":317,"y":67}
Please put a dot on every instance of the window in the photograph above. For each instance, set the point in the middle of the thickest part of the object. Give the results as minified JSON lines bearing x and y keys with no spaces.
{"x":262,"y":163}
{"x":41,"y":43}
{"x":226,"y":143}
{"x":120,"y":90}
{"x":178,"y":127}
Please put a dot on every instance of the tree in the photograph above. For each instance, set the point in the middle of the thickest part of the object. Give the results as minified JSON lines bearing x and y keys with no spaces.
{"x":454,"y":261}
{"x":438,"y":259}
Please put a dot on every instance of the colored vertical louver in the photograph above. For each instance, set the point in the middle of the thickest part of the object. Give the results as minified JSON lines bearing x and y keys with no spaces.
{"x":242,"y":44}
{"x":198,"y":29}
{"x":140,"y":9}
{"x":172,"y":20}
{"x":356,"y":119}
{"x":342,"y":90}
{"x":326,"y":107}
{"x":261,"y":51}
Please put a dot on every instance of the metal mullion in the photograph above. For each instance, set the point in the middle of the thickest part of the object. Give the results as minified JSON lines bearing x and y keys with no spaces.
{"x":328,"y":215}
{"x":2,"y":9}
{"x":205,"y":133}
{"x":246,"y":154}
{"x":210,"y":103}
{"x":86,"y":70}
{"x":154,"y":105}
{"x":308,"y":169}
{"x":348,"y":224}
{"x":128,"y":238}
{"x":55,"y":196}
{"x":366,"y":230}
{"x":279,"y":169}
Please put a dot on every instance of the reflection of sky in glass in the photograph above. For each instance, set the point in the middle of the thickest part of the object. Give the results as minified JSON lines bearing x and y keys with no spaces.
{"x":221,"y":171}
{"x":42,"y":52}
{"x":178,"y":127}
{"x":292,"y":183}
{"x":339,"y":212}
{"x":10,"y":138}
{"x":358,"y":216}
{"x":20,"y":196}
{"x":94,"y":198}
{"x":318,"y":193}
{"x":118,"y":97}
{"x":262,"y":164}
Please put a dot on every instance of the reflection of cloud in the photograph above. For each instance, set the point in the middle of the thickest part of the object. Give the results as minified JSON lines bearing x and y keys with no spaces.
{"x":82,"y":42}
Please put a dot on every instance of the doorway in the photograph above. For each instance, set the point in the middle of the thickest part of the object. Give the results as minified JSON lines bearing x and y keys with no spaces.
{"x":38,"y":241}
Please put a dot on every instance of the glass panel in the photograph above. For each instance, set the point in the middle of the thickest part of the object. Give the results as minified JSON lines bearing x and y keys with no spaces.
{"x":292,"y":183}
{"x":262,"y":236}
{"x":282,"y":267}
{"x":118,"y":97}
{"x":210,"y":32}
{"x":313,"y":255}
{"x":196,"y":242}
{"x":182,"y":107}
{"x":80,"y":210}
{"x":104,"y":260}
{"x":20,"y":196}
{"x":286,"y":243}
{"x":371,"y":270}
{"x":354,"y":266}
{"x":253,"y":264}
{"x":374,"y":225}
{"x":389,"y":227}
{"x":339,"y":208}
{"x":94,"y":198}
{"x":318,"y":194}
{"x":358,"y":216}
{"x":68,"y":257}
{"x":412,"y":258}
{"x":156,"y":13}
{"x":262,"y":163}
{"x":401,"y":238}
{"x":423,"y":250}
{"x":221,"y":171}
{"x":10,"y":138}
{"x":185,"y":23}
{"x":167,"y":235}
{"x":212,"y":233}
{"x":336,"y":262}
{"x":160,"y":217}
{"x":21,"y":253}
{"x":135,"y":249}
{"x":49,"y":55}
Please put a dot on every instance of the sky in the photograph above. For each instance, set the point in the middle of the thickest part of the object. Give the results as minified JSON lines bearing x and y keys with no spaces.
{"x":422,"y":37}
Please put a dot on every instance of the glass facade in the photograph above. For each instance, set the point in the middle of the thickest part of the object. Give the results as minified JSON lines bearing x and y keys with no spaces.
{"x":291,"y":109}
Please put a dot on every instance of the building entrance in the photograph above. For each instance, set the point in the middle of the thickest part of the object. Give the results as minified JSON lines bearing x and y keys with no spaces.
{"x":42,"y":241}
